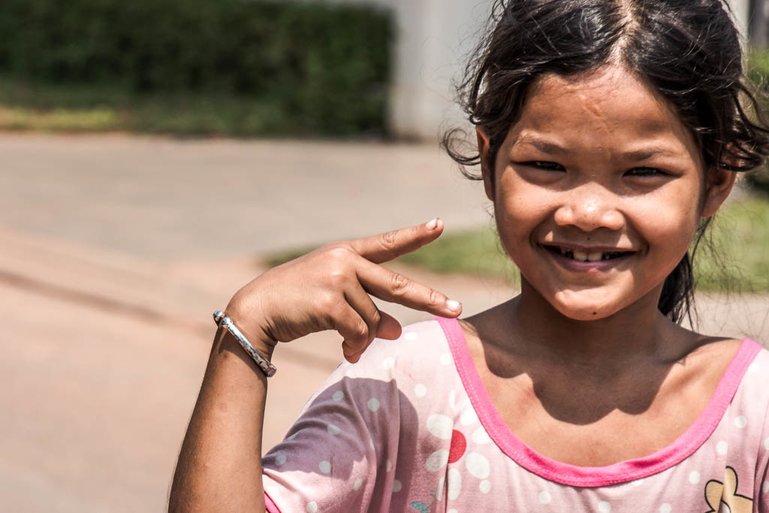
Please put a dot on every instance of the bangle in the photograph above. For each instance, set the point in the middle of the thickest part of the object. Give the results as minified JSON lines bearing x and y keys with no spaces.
{"x":263,"y":363}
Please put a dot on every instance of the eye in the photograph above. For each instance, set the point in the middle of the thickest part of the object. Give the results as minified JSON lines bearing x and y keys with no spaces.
{"x":646,"y":171}
{"x":544,"y":165}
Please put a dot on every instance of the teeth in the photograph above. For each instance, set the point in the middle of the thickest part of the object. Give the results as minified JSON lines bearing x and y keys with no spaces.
{"x":583,"y":256}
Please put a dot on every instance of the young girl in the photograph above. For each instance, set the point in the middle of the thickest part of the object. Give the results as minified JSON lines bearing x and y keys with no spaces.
{"x":609,"y":132}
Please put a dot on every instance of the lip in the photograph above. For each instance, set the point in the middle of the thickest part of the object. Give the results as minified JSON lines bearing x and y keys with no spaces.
{"x":582,"y":267}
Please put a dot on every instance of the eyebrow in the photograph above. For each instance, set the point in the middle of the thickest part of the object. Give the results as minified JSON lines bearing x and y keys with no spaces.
{"x":647,"y":153}
{"x":545,"y":147}
{"x":635,"y":155}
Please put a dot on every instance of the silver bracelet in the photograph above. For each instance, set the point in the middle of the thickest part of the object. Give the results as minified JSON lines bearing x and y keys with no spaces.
{"x":263,"y":363}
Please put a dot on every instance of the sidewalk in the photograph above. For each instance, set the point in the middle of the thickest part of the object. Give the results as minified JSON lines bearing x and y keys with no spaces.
{"x":116,"y":250}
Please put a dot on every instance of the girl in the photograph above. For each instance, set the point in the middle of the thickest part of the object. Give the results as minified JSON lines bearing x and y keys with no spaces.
{"x":609,"y":132}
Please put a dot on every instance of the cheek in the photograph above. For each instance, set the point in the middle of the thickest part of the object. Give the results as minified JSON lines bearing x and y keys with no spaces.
{"x":518,"y":209}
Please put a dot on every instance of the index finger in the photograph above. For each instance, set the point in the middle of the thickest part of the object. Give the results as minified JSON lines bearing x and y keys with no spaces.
{"x":390,"y":245}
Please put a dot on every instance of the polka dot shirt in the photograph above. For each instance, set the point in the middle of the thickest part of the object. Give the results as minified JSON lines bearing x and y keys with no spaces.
{"x":410,"y":428}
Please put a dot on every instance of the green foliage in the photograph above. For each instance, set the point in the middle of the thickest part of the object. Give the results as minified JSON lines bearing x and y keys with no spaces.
{"x":758,"y":72}
{"x":322,"y":68}
{"x":735,"y":255}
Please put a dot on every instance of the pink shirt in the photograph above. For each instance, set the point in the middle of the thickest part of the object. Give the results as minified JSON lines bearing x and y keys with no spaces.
{"x":410,"y":428}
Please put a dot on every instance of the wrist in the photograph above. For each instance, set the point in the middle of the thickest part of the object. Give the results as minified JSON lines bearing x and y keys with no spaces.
{"x":259,"y":350}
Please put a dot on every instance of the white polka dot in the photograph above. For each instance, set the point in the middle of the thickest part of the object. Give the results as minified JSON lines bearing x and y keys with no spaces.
{"x":397,"y":486}
{"x":338,"y":396}
{"x":604,"y":507}
{"x":333,"y":429}
{"x":280,"y":459}
{"x":637,"y":483}
{"x":312,"y":507}
{"x":437,"y":460}
{"x":485,"y":486}
{"x":468,"y":416}
{"x":766,"y":487}
{"x":445,"y":359}
{"x":722,"y":448}
{"x":666,"y":508}
{"x":766,"y":444}
{"x":452,"y":510}
{"x":480,"y":437}
{"x":373,"y":404}
{"x":420,"y":390}
{"x":545,"y":497}
{"x":410,"y":335}
{"x":324,"y":467}
{"x":440,"y":426}
{"x":357,"y":484}
{"x":388,"y":363}
{"x":740,"y":422}
{"x":455,"y":484}
{"x":477,"y":465}
{"x":389,"y":466}
{"x":441,"y":486}
{"x":754,"y":367}
{"x":694,"y":477}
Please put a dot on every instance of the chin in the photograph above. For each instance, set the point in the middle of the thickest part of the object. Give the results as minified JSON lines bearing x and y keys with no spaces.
{"x":579,"y":306}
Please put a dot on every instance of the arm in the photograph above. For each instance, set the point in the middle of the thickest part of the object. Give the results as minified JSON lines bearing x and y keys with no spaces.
{"x":219,"y":467}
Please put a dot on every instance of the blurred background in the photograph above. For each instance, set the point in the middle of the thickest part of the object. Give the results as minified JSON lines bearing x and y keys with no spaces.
{"x":155,"y":155}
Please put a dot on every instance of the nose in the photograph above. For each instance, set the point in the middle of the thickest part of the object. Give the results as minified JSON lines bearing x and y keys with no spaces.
{"x":590,"y":207}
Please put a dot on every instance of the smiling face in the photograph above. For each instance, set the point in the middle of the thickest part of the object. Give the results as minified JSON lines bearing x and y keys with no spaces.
{"x":598,"y":190}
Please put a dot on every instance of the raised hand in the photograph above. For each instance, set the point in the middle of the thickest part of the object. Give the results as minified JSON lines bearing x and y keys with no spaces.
{"x":330,"y":288}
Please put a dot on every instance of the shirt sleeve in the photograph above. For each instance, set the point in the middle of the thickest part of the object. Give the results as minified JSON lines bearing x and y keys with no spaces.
{"x":759,"y":373}
{"x":762,"y":467}
{"x":339,"y":455}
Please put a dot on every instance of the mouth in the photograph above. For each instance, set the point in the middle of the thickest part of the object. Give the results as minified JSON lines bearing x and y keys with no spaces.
{"x":588,"y":255}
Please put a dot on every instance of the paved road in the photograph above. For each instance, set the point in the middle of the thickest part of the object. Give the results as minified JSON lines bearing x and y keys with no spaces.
{"x":220,"y":198}
{"x":114,"y":251}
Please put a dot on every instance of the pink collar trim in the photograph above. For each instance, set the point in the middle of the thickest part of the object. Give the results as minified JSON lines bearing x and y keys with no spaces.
{"x":588,"y":477}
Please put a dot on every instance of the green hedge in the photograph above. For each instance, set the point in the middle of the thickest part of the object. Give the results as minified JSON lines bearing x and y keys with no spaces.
{"x":758,"y":71}
{"x":325,"y":67}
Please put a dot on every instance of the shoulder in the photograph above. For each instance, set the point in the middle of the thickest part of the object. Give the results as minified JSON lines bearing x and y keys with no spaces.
{"x":422,"y":350}
{"x":393,"y":373}
{"x":745,"y":386}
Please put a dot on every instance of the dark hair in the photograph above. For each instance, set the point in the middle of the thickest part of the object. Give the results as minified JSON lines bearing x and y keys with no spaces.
{"x":687,"y":50}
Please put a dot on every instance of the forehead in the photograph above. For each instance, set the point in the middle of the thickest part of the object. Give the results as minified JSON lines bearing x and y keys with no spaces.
{"x":607,"y":99}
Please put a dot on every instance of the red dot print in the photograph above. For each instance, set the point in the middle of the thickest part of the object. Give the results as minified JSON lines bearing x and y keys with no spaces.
{"x":457,"y":447}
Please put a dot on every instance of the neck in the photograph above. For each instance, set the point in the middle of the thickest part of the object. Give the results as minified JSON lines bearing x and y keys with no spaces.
{"x":637,"y":332}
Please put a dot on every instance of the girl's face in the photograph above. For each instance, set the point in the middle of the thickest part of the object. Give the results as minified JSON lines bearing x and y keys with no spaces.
{"x":598,"y":190}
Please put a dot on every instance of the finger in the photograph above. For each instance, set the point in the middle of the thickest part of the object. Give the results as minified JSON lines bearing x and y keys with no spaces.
{"x":353,"y":330}
{"x":397,"y":288}
{"x":361,"y":302}
{"x":380,"y":324}
{"x":390,"y":245}
{"x":389,"y":328}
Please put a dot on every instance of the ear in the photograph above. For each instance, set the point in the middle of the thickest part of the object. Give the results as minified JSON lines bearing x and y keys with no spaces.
{"x":719,"y":185}
{"x":487,"y":168}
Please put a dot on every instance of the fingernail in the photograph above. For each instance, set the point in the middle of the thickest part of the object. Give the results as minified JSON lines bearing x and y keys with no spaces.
{"x":431,"y":225}
{"x":453,"y":305}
